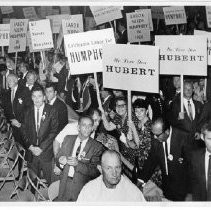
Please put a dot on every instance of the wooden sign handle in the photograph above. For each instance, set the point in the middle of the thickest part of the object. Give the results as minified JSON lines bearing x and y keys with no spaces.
{"x":98,"y":92}
{"x":181,"y":92}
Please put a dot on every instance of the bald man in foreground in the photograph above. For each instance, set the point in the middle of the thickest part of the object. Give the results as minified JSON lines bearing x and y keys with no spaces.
{"x":111,"y":185}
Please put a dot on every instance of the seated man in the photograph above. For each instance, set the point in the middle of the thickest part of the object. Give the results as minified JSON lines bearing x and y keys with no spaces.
{"x":111,"y":186}
{"x":78,"y":157}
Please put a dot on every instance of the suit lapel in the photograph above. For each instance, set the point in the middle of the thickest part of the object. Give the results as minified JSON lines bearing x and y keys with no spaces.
{"x":44,"y":115}
{"x":32,"y":117}
{"x":87,"y":146}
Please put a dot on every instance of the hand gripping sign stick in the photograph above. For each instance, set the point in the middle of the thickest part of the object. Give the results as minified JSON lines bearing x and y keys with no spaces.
{"x":181,"y":92}
{"x":98,"y":92}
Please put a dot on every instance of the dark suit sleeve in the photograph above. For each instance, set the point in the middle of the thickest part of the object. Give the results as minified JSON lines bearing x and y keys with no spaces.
{"x":205,"y":115}
{"x":52,"y":131}
{"x":149,"y":164}
{"x":62,"y":116}
{"x":88,"y":168}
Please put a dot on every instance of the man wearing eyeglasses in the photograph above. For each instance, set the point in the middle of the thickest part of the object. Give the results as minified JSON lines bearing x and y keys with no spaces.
{"x":169,"y":151}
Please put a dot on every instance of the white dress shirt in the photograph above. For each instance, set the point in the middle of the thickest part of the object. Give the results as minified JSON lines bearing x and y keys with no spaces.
{"x":14,"y":89}
{"x":52,"y":101}
{"x":77,"y":143}
{"x":207,"y":154}
{"x":192,"y":107}
{"x":40,"y":114}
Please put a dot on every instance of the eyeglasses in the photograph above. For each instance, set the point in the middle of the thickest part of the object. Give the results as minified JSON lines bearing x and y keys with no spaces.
{"x":120,"y":105}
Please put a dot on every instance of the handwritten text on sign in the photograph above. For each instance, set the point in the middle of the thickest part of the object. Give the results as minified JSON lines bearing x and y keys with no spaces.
{"x":208,"y":14}
{"x":84,"y":50}
{"x":41,"y":34}
{"x":138,"y":27}
{"x":182,"y":54}
{"x":4,"y":34}
{"x":149,"y":17}
{"x":208,"y":35}
{"x":106,"y":14}
{"x":131,"y":67}
{"x":174,"y":15}
{"x":18,"y":29}
{"x":6,"y":10}
{"x":73,"y":25}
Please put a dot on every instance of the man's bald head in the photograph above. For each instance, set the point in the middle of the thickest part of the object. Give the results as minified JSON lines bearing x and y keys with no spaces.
{"x":110,"y":154}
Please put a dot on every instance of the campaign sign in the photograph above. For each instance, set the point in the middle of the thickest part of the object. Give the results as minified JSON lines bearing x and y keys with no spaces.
{"x":131,"y":67}
{"x":185,"y":55}
{"x":208,"y":15}
{"x":41,"y":34}
{"x":149,"y":17}
{"x":106,"y":14}
{"x":84,"y":50}
{"x":6,"y":10}
{"x":30,"y":13}
{"x":18,"y":30}
{"x":4,"y":34}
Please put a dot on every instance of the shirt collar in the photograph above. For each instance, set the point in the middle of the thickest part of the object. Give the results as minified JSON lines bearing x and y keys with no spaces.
{"x":41,"y":108}
{"x":52,"y":101}
{"x":207,"y":153}
{"x":186,"y":100}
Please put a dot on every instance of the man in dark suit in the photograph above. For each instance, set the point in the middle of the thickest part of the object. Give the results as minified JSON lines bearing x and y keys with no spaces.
{"x":23,"y":69}
{"x":60,"y":106}
{"x":200,"y":169}
{"x":122,"y":32}
{"x":187,"y":120}
{"x":79,"y":156}
{"x":14,"y":104}
{"x":39,"y":130}
{"x":169,"y":151}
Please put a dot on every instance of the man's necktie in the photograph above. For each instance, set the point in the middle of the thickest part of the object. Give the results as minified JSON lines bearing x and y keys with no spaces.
{"x":78,"y":149}
{"x":209,"y":180}
{"x":12,"y":95}
{"x":38,"y":119}
{"x":190,"y":111}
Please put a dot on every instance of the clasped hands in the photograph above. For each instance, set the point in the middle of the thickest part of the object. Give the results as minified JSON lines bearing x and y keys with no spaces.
{"x":36,"y":151}
{"x":72,"y":161}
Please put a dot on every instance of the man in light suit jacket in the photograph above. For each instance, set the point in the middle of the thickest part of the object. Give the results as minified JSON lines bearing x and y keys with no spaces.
{"x":78,"y":157}
{"x":39,"y":130}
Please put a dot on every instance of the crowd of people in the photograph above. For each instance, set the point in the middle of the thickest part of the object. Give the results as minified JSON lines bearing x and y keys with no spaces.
{"x":90,"y":153}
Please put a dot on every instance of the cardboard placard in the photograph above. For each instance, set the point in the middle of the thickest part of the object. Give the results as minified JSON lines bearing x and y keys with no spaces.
{"x":185,"y":55}
{"x":65,"y":10}
{"x":73,"y":25}
{"x":84,"y":50}
{"x":149,"y":17}
{"x":106,"y":14}
{"x":30,"y":13}
{"x":138,"y":27}
{"x":6,"y":10}
{"x":29,"y":42}
{"x":131,"y":67}
{"x":157,"y":12}
{"x":4,"y":34}
{"x":208,"y":35}
{"x":208,"y":15}
{"x":41,"y":34}
{"x":18,"y":30}
{"x":174,"y":15}
{"x":57,"y":21}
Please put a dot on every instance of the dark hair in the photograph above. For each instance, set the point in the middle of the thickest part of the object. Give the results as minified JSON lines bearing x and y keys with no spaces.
{"x":120,"y":99}
{"x":38,"y":88}
{"x":206,"y":127}
{"x":83,"y":117}
{"x":93,"y":110}
{"x":163,"y":122}
{"x":25,"y":64}
{"x":140,"y":103}
{"x":51,"y":84}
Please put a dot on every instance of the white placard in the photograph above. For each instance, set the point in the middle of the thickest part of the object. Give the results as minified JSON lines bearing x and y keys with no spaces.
{"x":4,"y":34}
{"x":185,"y":55}
{"x":84,"y":50}
{"x":6,"y":10}
{"x":73,"y":25}
{"x":30,"y":13}
{"x":41,"y":34}
{"x":65,"y":10}
{"x":29,"y":42}
{"x":131,"y":67}
{"x":208,"y":15}
{"x":57,"y":21}
{"x":90,"y":24}
{"x":149,"y":17}
{"x":208,"y":35}
{"x":174,"y":15}
{"x":138,"y":27}
{"x":18,"y":30}
{"x":106,"y":14}
{"x":157,"y":12}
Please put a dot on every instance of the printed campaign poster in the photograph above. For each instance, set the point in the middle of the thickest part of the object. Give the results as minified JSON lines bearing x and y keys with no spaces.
{"x":185,"y":55}
{"x":4,"y":34}
{"x":174,"y":15}
{"x":138,"y":27}
{"x":41,"y":34}
{"x":84,"y":50}
{"x":208,"y":35}
{"x":131,"y":67}
{"x":106,"y":14}
{"x":6,"y":10}
{"x":18,"y":30}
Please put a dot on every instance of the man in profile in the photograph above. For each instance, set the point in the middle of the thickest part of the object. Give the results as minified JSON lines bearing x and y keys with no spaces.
{"x":111,"y":186}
